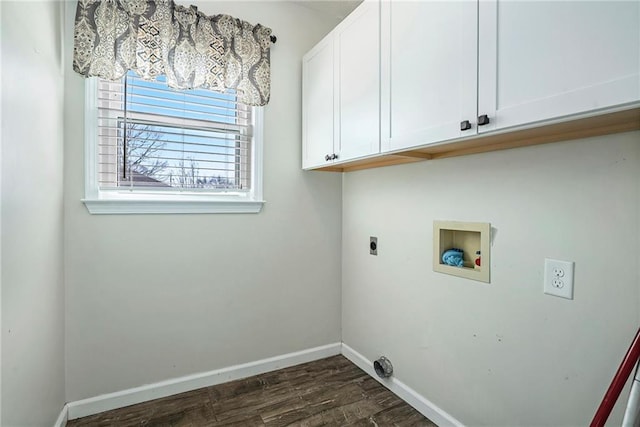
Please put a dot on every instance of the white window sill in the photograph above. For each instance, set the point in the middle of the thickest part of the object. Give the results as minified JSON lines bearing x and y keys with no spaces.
{"x":159,"y":206}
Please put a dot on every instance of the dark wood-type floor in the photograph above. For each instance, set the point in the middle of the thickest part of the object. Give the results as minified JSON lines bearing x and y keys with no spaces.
{"x":330,"y":391}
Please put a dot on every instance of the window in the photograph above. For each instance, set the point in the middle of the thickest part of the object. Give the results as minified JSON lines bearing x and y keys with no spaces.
{"x":152,"y":149}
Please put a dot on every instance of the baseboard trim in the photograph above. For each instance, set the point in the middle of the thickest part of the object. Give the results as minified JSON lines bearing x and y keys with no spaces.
{"x":132,"y":396}
{"x":403,"y":391}
{"x":63,"y":417}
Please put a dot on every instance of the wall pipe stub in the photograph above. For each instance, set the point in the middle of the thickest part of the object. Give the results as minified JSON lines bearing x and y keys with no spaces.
{"x":383,"y":367}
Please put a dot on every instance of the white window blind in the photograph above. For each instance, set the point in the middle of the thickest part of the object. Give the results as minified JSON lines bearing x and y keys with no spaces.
{"x":151,"y":137}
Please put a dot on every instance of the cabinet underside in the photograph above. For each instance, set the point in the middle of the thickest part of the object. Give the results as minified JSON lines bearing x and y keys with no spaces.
{"x":584,"y":127}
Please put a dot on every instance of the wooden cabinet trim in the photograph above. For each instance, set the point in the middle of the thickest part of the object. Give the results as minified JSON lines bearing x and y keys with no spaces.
{"x":582,"y":127}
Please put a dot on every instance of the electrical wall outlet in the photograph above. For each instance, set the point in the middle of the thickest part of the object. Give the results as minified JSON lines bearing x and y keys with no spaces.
{"x":373,"y":245}
{"x":558,"y":278}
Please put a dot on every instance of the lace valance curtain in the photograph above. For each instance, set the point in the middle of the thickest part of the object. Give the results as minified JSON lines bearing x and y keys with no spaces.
{"x":158,"y":37}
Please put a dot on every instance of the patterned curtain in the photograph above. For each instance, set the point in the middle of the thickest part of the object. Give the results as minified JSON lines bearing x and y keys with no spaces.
{"x":158,"y":37}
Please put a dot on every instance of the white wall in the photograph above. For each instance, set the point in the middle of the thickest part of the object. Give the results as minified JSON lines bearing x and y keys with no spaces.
{"x":152,"y":297}
{"x":1,"y":116}
{"x":32,"y":233}
{"x":501,"y":353}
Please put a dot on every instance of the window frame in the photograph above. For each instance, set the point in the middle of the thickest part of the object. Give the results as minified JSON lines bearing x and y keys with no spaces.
{"x":126,"y":201}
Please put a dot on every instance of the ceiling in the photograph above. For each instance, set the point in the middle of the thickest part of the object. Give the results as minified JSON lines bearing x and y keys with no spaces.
{"x":334,"y":8}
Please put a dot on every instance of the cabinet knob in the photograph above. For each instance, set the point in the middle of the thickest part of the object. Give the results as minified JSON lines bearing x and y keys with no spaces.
{"x":465,"y":125}
{"x":335,"y":156}
{"x":483,"y":120}
{"x":327,"y":157}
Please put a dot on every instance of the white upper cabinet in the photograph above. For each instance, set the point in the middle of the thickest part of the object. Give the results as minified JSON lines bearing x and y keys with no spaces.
{"x":358,"y":85}
{"x":541,"y":60}
{"x":341,"y":91}
{"x":399,"y":76}
{"x":317,"y":107}
{"x":429,"y":71}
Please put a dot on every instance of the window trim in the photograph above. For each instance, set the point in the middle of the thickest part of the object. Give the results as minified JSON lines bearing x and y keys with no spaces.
{"x":148,"y":202}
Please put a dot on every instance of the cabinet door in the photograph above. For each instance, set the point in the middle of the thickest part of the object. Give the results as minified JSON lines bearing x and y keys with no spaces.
{"x":317,"y":104}
{"x":358,"y":82}
{"x":429,"y":71}
{"x":546,"y":59}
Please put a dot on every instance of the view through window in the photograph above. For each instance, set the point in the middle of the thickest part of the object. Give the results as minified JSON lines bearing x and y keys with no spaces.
{"x":151,"y":137}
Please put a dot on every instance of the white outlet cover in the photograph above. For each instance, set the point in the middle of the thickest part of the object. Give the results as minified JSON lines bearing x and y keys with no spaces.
{"x":558,"y":278}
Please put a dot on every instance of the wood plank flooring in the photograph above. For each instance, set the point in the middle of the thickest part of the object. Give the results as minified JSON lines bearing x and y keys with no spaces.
{"x":330,"y":391}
